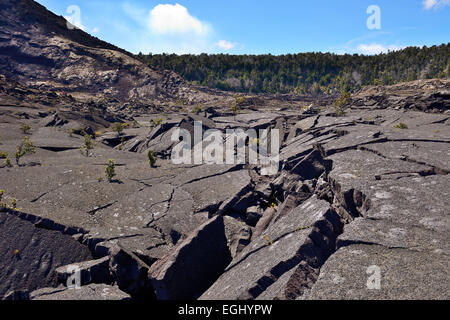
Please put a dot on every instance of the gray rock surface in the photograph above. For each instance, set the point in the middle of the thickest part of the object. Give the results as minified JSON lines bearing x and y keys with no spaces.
{"x":94,"y":271}
{"x":89,"y":292}
{"x":404,"y":274}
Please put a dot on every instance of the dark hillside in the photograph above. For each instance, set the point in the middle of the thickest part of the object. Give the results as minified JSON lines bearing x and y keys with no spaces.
{"x":26,"y":13}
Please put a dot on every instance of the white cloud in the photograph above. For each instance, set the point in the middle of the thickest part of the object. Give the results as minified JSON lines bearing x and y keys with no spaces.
{"x":226,"y":45}
{"x":175,"y":19}
{"x":171,"y":29}
{"x":376,"y":48}
{"x":429,"y":4}
{"x":95,"y":30}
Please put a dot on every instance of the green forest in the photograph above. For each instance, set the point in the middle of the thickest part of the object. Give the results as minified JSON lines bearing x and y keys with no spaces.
{"x":305,"y":73}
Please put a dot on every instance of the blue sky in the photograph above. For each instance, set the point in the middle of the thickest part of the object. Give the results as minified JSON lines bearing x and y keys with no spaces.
{"x":260,"y":26}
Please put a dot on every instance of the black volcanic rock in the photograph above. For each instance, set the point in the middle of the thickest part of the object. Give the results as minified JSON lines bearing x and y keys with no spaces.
{"x":30,"y":255}
{"x":130,"y":273}
{"x":194,"y":264}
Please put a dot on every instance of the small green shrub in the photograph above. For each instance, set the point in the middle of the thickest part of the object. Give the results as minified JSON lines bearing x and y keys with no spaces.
{"x":25,"y":128}
{"x":120,"y":145}
{"x":197,"y":109}
{"x":23,"y":148}
{"x":342,"y":102}
{"x":4,"y":154}
{"x":401,"y":125}
{"x":7,"y":162}
{"x":110,"y":170}
{"x":157,"y":122}
{"x":238,"y":101}
{"x":151,"y":158}
{"x":14,"y":203}
{"x":119,"y":127}
{"x":71,"y":131}
{"x":234,"y":107}
{"x":88,"y":145}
